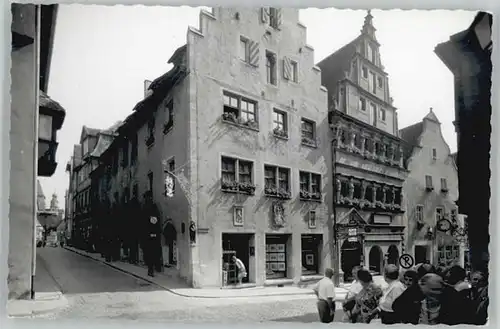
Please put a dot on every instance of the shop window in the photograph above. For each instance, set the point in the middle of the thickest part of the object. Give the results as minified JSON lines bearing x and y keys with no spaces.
{"x":448,"y":255}
{"x":276,"y":256}
{"x":311,"y":253}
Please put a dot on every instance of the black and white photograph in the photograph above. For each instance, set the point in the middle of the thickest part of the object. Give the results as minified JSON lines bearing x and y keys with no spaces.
{"x":249,"y":165}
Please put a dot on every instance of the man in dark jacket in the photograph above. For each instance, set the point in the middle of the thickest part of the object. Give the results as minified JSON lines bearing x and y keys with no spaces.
{"x":434,"y":303}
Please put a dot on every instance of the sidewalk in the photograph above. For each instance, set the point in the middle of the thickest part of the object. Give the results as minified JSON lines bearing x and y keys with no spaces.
{"x":175,"y":285}
{"x":48,"y":297}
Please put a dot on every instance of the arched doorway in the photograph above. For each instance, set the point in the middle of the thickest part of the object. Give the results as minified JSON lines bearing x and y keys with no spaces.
{"x":375,"y":259}
{"x":350,"y":256}
{"x":170,"y":246}
{"x":393,"y":255}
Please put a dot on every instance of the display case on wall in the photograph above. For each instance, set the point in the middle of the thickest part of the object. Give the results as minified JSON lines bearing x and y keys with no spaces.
{"x":276,"y":257}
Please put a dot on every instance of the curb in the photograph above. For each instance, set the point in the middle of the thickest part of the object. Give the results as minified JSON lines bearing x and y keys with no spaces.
{"x":179,"y":294}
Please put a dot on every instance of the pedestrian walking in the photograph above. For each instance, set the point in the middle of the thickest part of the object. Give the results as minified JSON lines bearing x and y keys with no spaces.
{"x":241,"y":269}
{"x":354,"y":290}
{"x":367,"y":299}
{"x":152,"y":240}
{"x":394,"y":289}
{"x":325,"y":292}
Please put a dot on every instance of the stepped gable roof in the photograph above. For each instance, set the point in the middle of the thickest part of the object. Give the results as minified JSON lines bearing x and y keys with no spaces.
{"x":334,"y":66}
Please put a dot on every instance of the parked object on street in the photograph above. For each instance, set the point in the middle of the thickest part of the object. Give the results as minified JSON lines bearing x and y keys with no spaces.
{"x":52,"y":240}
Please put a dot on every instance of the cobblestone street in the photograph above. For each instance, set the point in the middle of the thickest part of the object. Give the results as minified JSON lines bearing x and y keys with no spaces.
{"x":96,"y":291}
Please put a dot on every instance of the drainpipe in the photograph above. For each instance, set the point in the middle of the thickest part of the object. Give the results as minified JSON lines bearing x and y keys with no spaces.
{"x":35,"y":144}
{"x":335,"y":257}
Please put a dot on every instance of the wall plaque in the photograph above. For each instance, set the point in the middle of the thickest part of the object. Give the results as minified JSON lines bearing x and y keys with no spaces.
{"x":238,"y":216}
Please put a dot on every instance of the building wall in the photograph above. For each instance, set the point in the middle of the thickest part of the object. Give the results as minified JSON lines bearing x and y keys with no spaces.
{"x":22,"y":204}
{"x":420,"y":165}
{"x":214,"y":67}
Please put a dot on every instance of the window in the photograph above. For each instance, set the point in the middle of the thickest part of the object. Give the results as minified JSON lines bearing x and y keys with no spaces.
{"x":280,"y":123}
{"x":240,"y":110}
{"x":308,"y":132}
{"x":381,"y":114}
{"x":380,"y":82}
{"x":453,"y":216}
{"x":444,"y":185}
{"x":448,"y":255}
{"x":273,"y":17}
{"x":434,"y":154}
{"x":362,"y":104}
{"x":310,"y":186}
{"x":151,"y":130}
{"x":428,"y":182}
{"x":169,"y":117}
{"x":419,"y":213}
{"x":150,"y":181}
{"x":373,"y":81}
{"x":134,"y":149}
{"x":277,"y":181}
{"x":244,"y":49}
{"x":372,"y":54}
{"x":365,"y":72}
{"x":439,"y":213}
{"x":369,"y":52}
{"x":45,"y":127}
{"x":237,"y":175}
{"x":135,"y":191}
{"x":294,"y":72}
{"x":171,"y":165}
{"x":271,"y":67}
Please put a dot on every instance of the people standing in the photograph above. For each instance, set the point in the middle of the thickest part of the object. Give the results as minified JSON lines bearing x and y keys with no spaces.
{"x":455,"y":276}
{"x":394,"y":289}
{"x":367,"y":299}
{"x":325,"y":292}
{"x":354,"y":290}
{"x":404,"y":305}
{"x":241,"y":269}
{"x":479,"y":299}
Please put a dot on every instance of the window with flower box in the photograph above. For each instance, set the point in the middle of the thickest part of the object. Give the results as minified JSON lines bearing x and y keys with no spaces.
{"x":277,"y":182}
{"x":236,"y":176}
{"x":308,"y":130}
{"x":280,"y":126}
{"x":310,"y":186}
{"x":240,"y":110}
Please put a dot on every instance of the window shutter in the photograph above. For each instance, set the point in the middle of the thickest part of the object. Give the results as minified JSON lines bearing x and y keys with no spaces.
{"x":287,"y":68}
{"x":264,"y":14}
{"x":253,"y":50}
{"x":279,"y":17}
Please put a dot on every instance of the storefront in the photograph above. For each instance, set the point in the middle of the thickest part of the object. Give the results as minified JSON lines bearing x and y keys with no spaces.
{"x":277,"y":256}
{"x":311,"y":253}
{"x":241,"y":246}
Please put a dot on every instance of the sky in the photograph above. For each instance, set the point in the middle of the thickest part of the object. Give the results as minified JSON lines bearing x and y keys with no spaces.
{"x":103,"y":54}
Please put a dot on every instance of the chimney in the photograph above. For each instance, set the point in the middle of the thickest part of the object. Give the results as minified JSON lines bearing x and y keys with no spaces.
{"x":147,"y":91}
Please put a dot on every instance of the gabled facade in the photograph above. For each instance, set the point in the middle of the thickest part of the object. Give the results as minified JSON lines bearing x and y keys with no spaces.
{"x":91,"y":142}
{"x":240,"y":125}
{"x":367,"y":156}
{"x":430,"y":194}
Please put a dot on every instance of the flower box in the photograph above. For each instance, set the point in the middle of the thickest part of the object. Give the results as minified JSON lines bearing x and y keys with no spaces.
{"x":246,"y":188}
{"x":308,"y":141}
{"x":229,"y":185}
{"x":229,"y":116}
{"x":280,"y":133}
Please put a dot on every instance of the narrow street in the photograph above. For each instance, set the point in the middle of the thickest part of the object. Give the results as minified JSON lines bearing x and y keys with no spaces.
{"x":96,"y":291}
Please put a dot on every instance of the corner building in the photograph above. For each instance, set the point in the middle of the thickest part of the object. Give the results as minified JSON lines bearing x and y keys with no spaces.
{"x":369,"y":168}
{"x":258,"y":148}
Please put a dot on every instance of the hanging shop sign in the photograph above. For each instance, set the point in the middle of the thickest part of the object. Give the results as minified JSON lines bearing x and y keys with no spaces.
{"x":169,"y":185}
{"x":443,"y":225}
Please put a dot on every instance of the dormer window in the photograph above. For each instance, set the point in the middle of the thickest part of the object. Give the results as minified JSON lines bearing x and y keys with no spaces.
{"x":85,"y":146}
